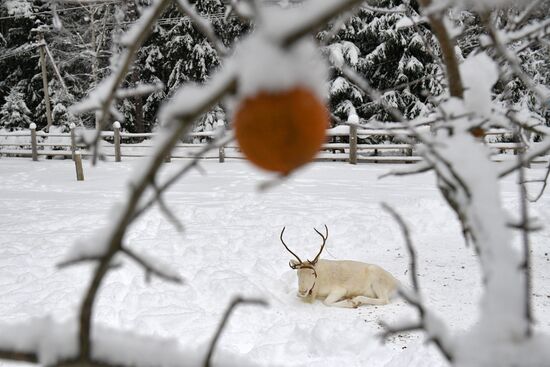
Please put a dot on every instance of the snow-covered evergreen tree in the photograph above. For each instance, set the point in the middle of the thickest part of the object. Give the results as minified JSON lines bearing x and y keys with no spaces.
{"x":178,"y":53}
{"x":392,"y":58}
{"x":14,"y":113}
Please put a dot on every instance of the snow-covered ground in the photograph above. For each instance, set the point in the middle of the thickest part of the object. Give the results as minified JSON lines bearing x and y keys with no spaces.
{"x":231,"y":246}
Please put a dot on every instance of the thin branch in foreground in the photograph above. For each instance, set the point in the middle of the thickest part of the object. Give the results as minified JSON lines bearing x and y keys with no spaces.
{"x":526,"y":247}
{"x":544,"y":182}
{"x":236,"y":302}
{"x":67,"y":263}
{"x":150,"y":268}
{"x":172,"y":218}
{"x":415,"y":170}
{"x":408,"y":242}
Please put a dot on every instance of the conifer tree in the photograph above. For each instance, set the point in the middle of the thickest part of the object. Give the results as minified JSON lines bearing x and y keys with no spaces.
{"x":392,"y":58}
{"x":14,"y":113}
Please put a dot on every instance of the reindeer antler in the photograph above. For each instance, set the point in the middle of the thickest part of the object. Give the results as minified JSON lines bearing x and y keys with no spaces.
{"x":322,"y":246}
{"x":284,"y":244}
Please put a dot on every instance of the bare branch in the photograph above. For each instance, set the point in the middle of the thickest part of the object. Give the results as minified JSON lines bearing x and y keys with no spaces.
{"x":236,"y":302}
{"x":526,"y":247}
{"x":166,"y":210}
{"x":408,"y":243}
{"x":543,"y":188}
{"x":65,"y":264}
{"x":414,"y":170}
{"x":150,"y":268}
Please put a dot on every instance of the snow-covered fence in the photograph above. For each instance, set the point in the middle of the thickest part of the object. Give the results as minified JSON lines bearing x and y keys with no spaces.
{"x":345,"y":143}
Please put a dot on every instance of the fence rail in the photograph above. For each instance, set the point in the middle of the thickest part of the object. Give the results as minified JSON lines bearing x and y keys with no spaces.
{"x":345,"y":143}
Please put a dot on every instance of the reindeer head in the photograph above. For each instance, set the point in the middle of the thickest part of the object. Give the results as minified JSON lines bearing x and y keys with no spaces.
{"x":307,"y":274}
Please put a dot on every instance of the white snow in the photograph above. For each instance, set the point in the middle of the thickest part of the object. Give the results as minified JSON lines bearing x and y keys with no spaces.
{"x":479,"y":74}
{"x":231,"y":246}
{"x":273,"y":69}
{"x":18,"y":8}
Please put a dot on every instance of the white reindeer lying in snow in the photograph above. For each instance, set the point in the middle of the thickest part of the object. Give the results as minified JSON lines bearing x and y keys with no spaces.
{"x":341,"y":283}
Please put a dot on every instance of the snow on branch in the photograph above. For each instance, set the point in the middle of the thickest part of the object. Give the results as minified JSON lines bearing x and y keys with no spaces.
{"x":48,"y":343}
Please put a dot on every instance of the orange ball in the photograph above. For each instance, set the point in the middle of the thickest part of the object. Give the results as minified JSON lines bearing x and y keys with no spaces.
{"x":281,"y":131}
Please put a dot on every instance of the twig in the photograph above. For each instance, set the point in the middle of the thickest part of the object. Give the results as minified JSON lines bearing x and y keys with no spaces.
{"x":526,"y":247}
{"x":543,"y":188}
{"x":408,"y":243}
{"x":166,"y":210}
{"x":65,"y":264}
{"x":422,"y":167}
{"x":150,"y":268}
{"x":236,"y":302}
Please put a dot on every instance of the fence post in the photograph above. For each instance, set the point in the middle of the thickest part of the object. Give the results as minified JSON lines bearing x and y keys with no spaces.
{"x":34,"y":145}
{"x":73,"y":140}
{"x":353,"y":144}
{"x":222,"y":153}
{"x":78,"y":166}
{"x":116,"y":138}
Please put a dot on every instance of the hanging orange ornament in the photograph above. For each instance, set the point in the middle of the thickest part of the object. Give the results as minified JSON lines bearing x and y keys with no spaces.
{"x":281,"y":131}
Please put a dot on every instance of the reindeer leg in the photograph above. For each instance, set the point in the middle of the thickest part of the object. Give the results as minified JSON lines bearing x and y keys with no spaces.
{"x":334,"y":299}
{"x":362,"y":300}
{"x":382,"y":297}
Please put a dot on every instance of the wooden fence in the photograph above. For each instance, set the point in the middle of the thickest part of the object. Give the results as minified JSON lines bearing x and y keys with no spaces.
{"x":345,"y":143}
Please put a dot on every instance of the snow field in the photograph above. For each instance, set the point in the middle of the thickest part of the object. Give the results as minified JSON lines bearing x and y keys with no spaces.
{"x":231,"y":246}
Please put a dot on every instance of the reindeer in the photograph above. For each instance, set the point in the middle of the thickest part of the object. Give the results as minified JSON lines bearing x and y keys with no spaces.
{"x":342,"y":283}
